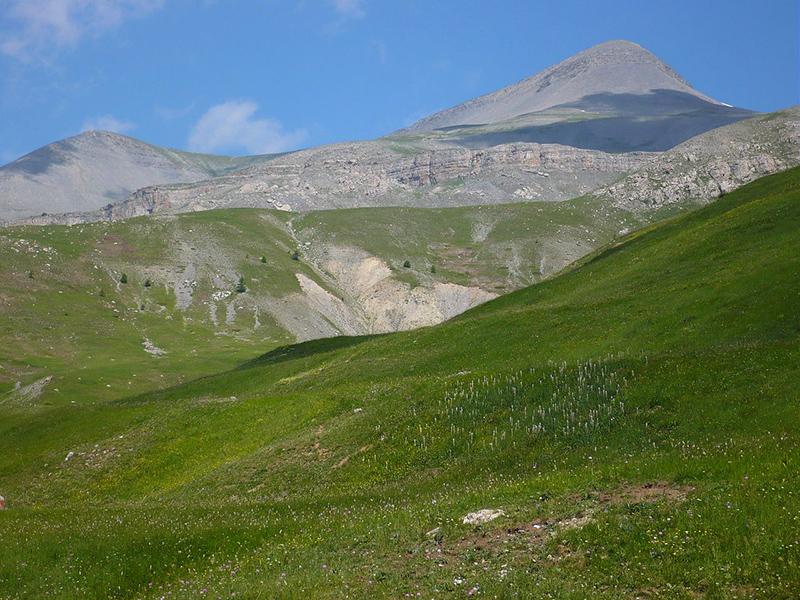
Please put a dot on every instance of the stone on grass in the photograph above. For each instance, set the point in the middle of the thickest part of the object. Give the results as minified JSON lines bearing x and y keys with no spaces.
{"x":482,"y":516}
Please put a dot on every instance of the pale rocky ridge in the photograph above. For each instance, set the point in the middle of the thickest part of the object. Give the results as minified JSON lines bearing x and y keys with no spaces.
{"x":560,"y":134}
{"x":712,"y":164}
{"x":378,"y":174}
{"x":382,"y":173}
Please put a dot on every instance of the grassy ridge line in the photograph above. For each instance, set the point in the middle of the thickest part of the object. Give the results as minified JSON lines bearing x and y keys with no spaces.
{"x":318,"y":469}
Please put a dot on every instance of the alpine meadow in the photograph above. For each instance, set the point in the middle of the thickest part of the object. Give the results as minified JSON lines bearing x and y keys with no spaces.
{"x":542,"y":344}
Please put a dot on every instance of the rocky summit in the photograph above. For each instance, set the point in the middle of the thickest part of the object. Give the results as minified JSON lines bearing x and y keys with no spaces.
{"x":608,"y":76}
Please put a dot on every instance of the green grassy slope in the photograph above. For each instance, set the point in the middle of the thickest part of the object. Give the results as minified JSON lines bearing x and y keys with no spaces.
{"x":499,"y":248}
{"x":65,"y":315}
{"x":635,"y":418}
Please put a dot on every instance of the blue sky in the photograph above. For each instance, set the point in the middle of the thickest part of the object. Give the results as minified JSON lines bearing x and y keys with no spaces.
{"x":247,"y":76}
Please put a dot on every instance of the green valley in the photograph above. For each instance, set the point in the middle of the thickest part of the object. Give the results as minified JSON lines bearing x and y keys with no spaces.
{"x":72,"y":332}
{"x":627,"y":428}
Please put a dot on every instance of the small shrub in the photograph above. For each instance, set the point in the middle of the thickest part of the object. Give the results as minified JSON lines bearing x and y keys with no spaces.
{"x":407,"y":264}
{"x":296,"y":255}
{"x":102,"y":293}
{"x":264,"y":259}
{"x":30,"y":274}
{"x":241,"y":288}
{"x":124,"y":278}
{"x":433,"y":268}
{"x":147,"y":283}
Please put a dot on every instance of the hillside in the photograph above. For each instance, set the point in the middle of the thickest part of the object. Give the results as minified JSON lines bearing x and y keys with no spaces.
{"x":635,"y":419}
{"x":96,"y":168}
{"x":67,"y":320}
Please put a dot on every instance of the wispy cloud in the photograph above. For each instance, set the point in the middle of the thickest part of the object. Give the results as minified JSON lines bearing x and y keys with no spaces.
{"x":108,"y":123}
{"x":35,"y":26}
{"x":346,"y":12}
{"x":350,"y":9}
{"x":233,"y":126}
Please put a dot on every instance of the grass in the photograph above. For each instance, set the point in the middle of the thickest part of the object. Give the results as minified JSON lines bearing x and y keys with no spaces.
{"x":64,"y":313}
{"x":501,"y":247}
{"x":635,"y":418}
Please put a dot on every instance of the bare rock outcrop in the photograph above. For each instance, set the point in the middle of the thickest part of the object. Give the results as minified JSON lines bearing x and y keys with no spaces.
{"x":713,"y":164}
{"x":368,"y":299}
{"x":383,"y":173}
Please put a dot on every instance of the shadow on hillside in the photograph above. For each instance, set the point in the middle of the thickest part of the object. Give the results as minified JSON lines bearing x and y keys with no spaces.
{"x":306,"y":349}
{"x":652,"y":122}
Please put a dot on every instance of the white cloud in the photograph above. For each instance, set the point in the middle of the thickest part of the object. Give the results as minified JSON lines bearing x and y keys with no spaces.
{"x":40,"y":25}
{"x":233,"y":126}
{"x":351,"y":9}
{"x":107,"y":123}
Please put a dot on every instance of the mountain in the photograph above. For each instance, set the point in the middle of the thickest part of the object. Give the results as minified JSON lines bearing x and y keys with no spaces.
{"x":626,"y":429}
{"x":94,"y":169}
{"x":615,"y":70}
{"x":614,"y":97}
{"x":350,"y":277}
{"x":565,"y":132}
{"x":413,"y":171}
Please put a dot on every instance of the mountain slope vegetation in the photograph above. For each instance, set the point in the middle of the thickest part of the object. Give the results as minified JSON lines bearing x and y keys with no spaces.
{"x":634,"y":419}
{"x":74,"y":332}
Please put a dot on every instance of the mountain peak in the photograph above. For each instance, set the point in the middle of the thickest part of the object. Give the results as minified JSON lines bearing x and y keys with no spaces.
{"x":616,"y":52}
{"x":616,"y":67}
{"x":102,"y":135}
{"x":621,"y":52}
{"x":618,"y":46}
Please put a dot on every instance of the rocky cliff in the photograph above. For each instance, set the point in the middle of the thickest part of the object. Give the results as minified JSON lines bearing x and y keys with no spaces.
{"x":713,"y":163}
{"x":385,"y":173}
